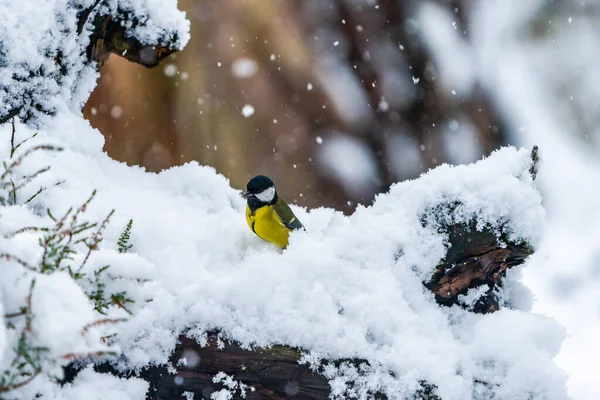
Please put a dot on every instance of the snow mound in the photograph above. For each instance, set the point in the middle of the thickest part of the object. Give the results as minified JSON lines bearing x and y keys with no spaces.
{"x":348,"y":287}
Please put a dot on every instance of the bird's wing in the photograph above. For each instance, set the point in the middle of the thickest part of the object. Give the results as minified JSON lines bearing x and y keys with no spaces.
{"x":286,"y":215}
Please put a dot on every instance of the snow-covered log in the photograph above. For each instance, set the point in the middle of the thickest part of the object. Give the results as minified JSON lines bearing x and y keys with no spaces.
{"x":352,"y":296}
{"x":476,"y":260}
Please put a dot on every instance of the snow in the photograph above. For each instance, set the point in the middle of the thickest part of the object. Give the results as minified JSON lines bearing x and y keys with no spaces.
{"x":247,"y":110}
{"x":158,"y":21}
{"x":91,"y":385}
{"x":349,"y":287}
{"x":231,"y":387}
{"x":27,"y":45}
{"x":204,"y":269}
{"x":244,"y":68}
{"x":43,"y":56}
{"x":170,"y":70}
{"x":55,"y":314}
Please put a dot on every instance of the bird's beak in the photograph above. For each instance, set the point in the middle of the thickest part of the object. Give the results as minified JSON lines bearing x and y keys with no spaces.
{"x":245,"y":194}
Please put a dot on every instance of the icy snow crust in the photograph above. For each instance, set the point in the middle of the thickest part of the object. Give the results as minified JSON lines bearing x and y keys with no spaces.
{"x":348,"y":287}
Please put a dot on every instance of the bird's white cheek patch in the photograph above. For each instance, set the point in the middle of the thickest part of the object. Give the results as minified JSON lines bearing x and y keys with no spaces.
{"x":266,"y":196}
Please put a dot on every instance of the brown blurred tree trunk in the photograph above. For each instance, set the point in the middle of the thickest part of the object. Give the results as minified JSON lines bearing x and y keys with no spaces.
{"x":318,"y":68}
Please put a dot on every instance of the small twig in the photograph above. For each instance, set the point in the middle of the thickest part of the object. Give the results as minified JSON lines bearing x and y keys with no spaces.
{"x":19,"y":160}
{"x":28,"y":312}
{"x":10,"y":257}
{"x":28,"y":321}
{"x":14,"y":315}
{"x":122,"y":307}
{"x":35,"y":195}
{"x":83,"y":207}
{"x":23,"y":230}
{"x":129,"y":278}
{"x":65,"y":249}
{"x":104,"y":321}
{"x":96,"y":354}
{"x":29,"y":178}
{"x":47,"y":239}
{"x":533,"y":170}
{"x":13,"y":191}
{"x":12,"y":139}
{"x":14,"y":386}
{"x":104,"y":339}
{"x":95,"y":239}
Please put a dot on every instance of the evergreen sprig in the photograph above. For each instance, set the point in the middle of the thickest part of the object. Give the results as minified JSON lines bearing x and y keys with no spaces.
{"x":68,"y":236}
{"x":123,"y":245}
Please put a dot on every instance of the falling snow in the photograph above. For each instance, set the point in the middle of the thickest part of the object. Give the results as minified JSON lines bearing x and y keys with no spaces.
{"x":247,"y":110}
{"x":170,"y":70}
{"x":244,"y":68}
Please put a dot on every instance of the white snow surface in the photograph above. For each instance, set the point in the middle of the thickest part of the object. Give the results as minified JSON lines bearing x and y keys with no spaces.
{"x":90,"y":385}
{"x":159,"y":20}
{"x":347,"y":287}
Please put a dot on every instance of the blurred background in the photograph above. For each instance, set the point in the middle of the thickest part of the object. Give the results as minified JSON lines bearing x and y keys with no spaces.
{"x":338,"y":99}
{"x":334,"y":99}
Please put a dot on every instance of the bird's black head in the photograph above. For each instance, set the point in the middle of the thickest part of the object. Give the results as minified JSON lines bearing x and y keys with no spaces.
{"x":260,"y":192}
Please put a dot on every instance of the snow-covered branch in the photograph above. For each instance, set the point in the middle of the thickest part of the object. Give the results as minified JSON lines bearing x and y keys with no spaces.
{"x":49,"y":50}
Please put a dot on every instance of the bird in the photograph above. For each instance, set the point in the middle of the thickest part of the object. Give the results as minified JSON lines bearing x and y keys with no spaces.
{"x":267,"y":214}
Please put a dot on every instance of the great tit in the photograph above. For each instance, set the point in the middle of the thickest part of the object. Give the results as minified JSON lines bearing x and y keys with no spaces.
{"x":267,"y":214}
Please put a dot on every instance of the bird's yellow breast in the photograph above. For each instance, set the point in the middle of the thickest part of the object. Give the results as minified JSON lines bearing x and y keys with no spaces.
{"x":267,"y":225}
